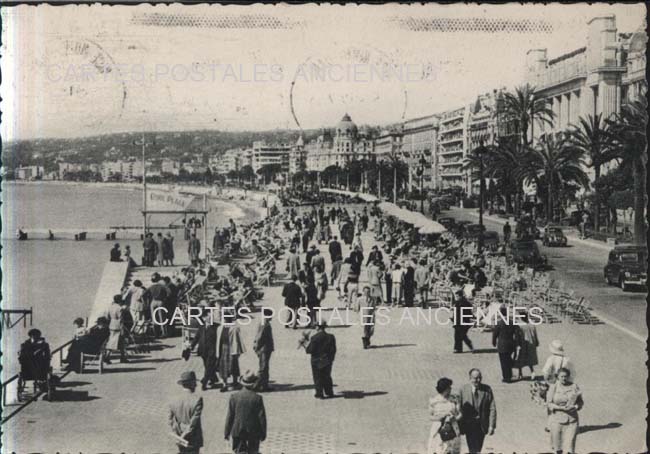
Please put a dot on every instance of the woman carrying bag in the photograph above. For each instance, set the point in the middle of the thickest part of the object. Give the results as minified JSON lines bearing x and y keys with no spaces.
{"x":444,"y":437}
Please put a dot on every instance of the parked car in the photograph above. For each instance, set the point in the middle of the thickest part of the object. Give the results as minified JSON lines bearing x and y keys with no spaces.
{"x":448,"y":223}
{"x":472,"y":231}
{"x":627,"y":266}
{"x":460,"y":227}
{"x":554,"y":236}
{"x":491,"y":240}
{"x":526,"y":253}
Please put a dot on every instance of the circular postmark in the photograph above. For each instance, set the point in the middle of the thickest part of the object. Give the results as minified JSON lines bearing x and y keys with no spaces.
{"x":360,"y":81}
{"x":82,"y":84}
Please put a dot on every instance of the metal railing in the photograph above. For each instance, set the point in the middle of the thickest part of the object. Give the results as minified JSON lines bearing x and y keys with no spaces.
{"x":6,"y":317}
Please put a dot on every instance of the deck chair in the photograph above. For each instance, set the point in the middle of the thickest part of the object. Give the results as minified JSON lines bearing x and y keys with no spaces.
{"x":93,"y":357}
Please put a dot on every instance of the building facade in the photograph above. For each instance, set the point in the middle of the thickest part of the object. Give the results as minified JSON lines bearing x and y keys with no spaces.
{"x":452,"y":149}
{"x":418,"y":150}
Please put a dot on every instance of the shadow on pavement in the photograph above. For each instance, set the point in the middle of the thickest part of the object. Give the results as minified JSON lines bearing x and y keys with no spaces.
{"x":71,"y":384}
{"x":484,"y":350}
{"x":393,"y":345}
{"x":73,"y":396}
{"x":116,"y":370}
{"x":283,"y":387}
{"x":360,"y":394}
{"x":611,"y":425}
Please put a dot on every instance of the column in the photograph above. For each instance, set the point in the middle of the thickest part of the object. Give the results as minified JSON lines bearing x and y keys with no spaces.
{"x":607,"y":94}
{"x":569,"y":115}
{"x":575,"y":106}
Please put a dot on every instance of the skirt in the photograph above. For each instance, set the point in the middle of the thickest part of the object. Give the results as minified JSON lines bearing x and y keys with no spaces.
{"x":115,"y":340}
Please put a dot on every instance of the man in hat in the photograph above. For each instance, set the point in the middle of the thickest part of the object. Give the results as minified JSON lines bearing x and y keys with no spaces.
{"x":293,"y":298}
{"x":311,"y":253}
{"x":34,"y":356}
{"x":206,"y":339}
{"x":375,"y":254}
{"x":322,"y":348}
{"x":263,"y":346}
{"x":463,"y":321}
{"x":336,"y":256}
{"x":557,"y":361}
{"x":185,"y":416}
{"x":149,"y":248}
{"x":504,"y":338}
{"x":246,"y":419}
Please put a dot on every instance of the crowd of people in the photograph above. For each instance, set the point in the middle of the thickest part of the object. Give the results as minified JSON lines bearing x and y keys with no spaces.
{"x":403,"y":269}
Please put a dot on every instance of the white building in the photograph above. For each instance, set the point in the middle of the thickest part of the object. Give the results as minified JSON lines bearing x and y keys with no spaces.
{"x":29,"y":172}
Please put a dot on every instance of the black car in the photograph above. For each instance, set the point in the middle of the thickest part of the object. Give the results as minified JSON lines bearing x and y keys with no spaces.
{"x":554,"y":236}
{"x":472,"y":231}
{"x":448,"y":223}
{"x":525,"y":253}
{"x":627,"y":266}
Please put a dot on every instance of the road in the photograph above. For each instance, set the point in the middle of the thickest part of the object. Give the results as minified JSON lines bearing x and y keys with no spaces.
{"x":581,"y":267}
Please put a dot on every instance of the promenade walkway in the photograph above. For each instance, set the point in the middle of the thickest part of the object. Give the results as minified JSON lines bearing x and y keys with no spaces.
{"x":382,"y":393}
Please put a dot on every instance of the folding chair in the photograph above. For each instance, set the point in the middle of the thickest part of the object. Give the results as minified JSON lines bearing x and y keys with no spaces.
{"x":93,"y":357}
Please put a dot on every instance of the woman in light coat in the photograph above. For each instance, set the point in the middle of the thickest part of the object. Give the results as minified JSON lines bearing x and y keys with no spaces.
{"x":564,"y":400}
{"x":443,"y":408}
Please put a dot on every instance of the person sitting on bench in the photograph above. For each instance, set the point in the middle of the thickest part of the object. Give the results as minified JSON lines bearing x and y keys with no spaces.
{"x":90,"y":343}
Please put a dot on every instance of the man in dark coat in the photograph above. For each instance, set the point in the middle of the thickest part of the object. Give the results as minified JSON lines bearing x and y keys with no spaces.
{"x":185,"y":416}
{"x":246,"y":419}
{"x":305,"y":239}
{"x":462,"y":321}
{"x":478,"y":411}
{"x":336,"y":256}
{"x":263,"y":346}
{"x":504,"y":338}
{"x":292,"y":294}
{"x":375,"y":255}
{"x":206,"y":339}
{"x":322,"y":348}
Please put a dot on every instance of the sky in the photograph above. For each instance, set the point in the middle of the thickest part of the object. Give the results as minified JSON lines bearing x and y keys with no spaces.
{"x":75,"y":70}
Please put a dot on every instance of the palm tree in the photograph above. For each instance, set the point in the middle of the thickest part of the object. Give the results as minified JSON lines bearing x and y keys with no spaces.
{"x":524,"y":108}
{"x":628,"y":133}
{"x":554,"y":163}
{"x":591,"y":138}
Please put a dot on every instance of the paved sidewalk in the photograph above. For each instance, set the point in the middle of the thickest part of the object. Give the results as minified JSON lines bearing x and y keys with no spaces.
{"x":383,"y":393}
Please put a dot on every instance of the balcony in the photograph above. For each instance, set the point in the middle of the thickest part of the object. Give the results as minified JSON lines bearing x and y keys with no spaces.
{"x":451,"y":151}
{"x":451,"y":116}
{"x":452,"y":173}
{"x":451,"y":162}
{"x":446,"y":140}
{"x":452,"y":127}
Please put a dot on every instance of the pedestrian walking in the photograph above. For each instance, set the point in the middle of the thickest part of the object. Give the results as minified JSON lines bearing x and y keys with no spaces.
{"x":160,"y":249}
{"x":206,"y":342}
{"x":293,"y":298}
{"x":444,"y":437}
{"x":185,"y":416}
{"x":157,"y":294}
{"x":397,"y":278}
{"x":246,"y":418}
{"x":231,"y":346}
{"x":322,"y":348}
{"x":557,"y":361}
{"x":117,"y":314}
{"x":263,"y":346}
{"x":168,"y":250}
{"x":527,"y":343}
{"x":374,"y":280}
{"x":194,"y":249}
{"x":422,"y":277}
{"x":336,"y":257}
{"x":504,"y":338}
{"x":478,"y":411}
{"x":564,"y":400}
{"x":463,"y":321}
{"x":367,"y":304}
{"x":293,"y":263}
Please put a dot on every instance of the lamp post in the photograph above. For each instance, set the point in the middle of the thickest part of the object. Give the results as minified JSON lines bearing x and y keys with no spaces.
{"x":420,"y":172}
{"x":479,"y":153}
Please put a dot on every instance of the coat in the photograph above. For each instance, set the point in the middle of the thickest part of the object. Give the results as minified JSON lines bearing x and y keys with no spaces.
{"x":336,"y":252}
{"x":485,"y":409}
{"x":263,"y":342}
{"x":504,"y":337}
{"x":322,"y":348}
{"x":185,"y":418}
{"x":293,"y":265}
{"x":246,"y":416}
{"x":206,"y":339}
{"x":194,"y":248}
{"x":527,"y":342}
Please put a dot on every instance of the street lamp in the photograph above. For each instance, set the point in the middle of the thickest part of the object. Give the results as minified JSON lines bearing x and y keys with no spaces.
{"x":479,"y":153}
{"x":420,"y":173}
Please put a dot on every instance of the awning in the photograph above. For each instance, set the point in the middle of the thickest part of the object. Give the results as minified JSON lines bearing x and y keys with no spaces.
{"x":361,"y":195}
{"x":427,"y":226}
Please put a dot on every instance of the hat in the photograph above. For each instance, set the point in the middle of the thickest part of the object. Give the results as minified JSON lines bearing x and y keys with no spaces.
{"x":249,"y":379}
{"x":556,"y":347}
{"x":187,"y":378}
{"x":117,"y":299}
{"x":34,"y":332}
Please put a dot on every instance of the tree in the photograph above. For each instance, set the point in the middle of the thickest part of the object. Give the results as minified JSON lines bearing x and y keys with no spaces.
{"x":247,"y":173}
{"x":591,"y":138}
{"x":269,"y":171}
{"x":233,"y":175}
{"x":524,"y":108}
{"x":553,"y":164}
{"x":628,"y":133}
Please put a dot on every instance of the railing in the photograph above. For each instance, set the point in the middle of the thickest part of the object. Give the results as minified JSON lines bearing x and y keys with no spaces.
{"x":15,"y":377}
{"x":6,"y":317}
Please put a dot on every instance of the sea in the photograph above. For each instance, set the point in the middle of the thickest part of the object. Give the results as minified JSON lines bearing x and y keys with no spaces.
{"x":58,"y":279}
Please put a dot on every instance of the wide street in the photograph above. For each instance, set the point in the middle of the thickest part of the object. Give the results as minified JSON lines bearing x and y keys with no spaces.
{"x":382,"y":393}
{"x":580,"y":265}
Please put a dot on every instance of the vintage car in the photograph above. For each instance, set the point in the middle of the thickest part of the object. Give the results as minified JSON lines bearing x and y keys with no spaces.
{"x":491,"y":240}
{"x":627,"y":266}
{"x":472,"y":231}
{"x":448,"y":223}
{"x":554,"y":236}
{"x":525,"y":253}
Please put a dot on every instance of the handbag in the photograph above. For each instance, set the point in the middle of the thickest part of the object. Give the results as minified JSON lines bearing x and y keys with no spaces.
{"x":447,"y":431}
